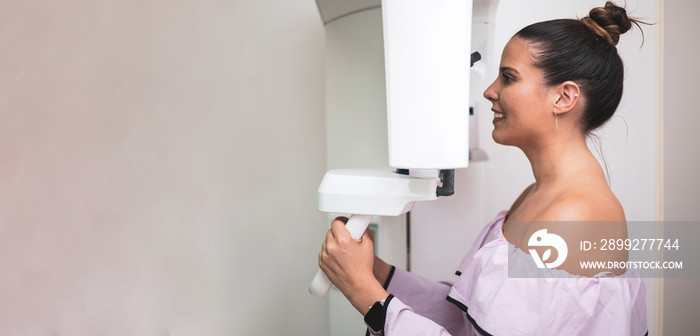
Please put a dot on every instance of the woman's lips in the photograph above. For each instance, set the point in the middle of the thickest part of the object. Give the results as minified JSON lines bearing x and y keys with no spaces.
{"x":498,"y":116}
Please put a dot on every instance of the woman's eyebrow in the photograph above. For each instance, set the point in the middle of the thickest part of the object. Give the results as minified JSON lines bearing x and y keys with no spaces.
{"x":506,"y":68}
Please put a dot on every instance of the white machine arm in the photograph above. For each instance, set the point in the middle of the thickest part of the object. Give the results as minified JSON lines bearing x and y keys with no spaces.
{"x":368,"y":192}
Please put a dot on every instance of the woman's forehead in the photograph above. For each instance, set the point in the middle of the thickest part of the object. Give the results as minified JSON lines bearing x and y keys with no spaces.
{"x":517,"y":55}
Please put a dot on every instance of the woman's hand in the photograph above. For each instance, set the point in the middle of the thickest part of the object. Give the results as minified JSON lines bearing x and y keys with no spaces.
{"x":349,"y":264}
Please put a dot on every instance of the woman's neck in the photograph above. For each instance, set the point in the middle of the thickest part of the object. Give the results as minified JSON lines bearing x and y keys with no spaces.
{"x":561,"y":159}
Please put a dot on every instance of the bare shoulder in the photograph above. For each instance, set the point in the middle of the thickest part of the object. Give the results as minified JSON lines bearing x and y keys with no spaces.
{"x":584,"y":203}
{"x":588,"y":213}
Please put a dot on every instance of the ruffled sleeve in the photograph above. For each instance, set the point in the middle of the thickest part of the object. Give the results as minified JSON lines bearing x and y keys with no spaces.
{"x":421,"y":308}
{"x":559,"y":304}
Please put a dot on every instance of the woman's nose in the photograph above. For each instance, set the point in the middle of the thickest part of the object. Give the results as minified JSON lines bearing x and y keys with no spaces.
{"x":490,"y":94}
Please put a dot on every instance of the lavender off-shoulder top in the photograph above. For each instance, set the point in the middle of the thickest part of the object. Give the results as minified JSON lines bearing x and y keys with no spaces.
{"x":484,"y":301}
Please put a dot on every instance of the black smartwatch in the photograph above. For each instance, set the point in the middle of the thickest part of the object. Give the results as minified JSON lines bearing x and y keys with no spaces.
{"x":376,"y":316}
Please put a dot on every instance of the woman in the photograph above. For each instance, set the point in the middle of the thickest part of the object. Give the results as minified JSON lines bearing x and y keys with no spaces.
{"x":558,"y":81}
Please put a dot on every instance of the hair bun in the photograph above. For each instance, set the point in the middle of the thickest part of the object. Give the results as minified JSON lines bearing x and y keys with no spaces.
{"x":609,"y":22}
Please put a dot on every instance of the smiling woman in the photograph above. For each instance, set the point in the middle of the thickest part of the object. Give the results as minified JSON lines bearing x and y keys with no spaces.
{"x":558,"y":80}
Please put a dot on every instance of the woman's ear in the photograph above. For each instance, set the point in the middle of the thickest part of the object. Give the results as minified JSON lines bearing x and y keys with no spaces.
{"x":567,"y":96}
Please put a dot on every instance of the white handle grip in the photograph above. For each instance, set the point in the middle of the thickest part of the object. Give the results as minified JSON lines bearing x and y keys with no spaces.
{"x":357,"y":224}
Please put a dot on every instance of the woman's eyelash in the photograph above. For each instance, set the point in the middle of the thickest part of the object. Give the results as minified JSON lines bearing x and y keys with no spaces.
{"x":507,"y":78}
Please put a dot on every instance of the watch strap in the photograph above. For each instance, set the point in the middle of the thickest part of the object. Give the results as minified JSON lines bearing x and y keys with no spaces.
{"x":376,"y":316}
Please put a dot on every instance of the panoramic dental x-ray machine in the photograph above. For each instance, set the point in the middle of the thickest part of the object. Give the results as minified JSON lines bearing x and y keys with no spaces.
{"x":427,"y":47}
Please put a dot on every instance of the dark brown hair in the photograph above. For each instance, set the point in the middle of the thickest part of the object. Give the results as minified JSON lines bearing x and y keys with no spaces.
{"x":584,"y":51}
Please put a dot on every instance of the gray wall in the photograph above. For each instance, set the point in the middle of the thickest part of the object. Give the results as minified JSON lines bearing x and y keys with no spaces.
{"x":158,"y":167}
{"x":681,"y":155}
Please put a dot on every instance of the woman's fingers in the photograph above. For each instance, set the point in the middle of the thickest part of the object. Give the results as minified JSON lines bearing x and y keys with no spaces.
{"x":339,"y":231}
{"x":329,"y":235}
{"x":339,"y":246}
{"x":367,"y":237}
{"x":370,"y":234}
{"x":344,"y":220}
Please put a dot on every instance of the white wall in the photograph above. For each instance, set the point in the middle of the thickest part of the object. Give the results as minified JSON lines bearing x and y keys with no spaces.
{"x":158,"y":167}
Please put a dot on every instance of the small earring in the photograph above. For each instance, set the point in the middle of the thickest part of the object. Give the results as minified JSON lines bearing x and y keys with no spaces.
{"x":556,"y":119}
{"x":576,"y":95}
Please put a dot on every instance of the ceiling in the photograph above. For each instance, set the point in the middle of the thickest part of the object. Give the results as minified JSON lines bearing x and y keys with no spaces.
{"x":334,"y":9}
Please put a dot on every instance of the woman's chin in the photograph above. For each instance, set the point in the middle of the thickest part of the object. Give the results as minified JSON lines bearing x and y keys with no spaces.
{"x":498,"y":138}
{"x":502,"y":139}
